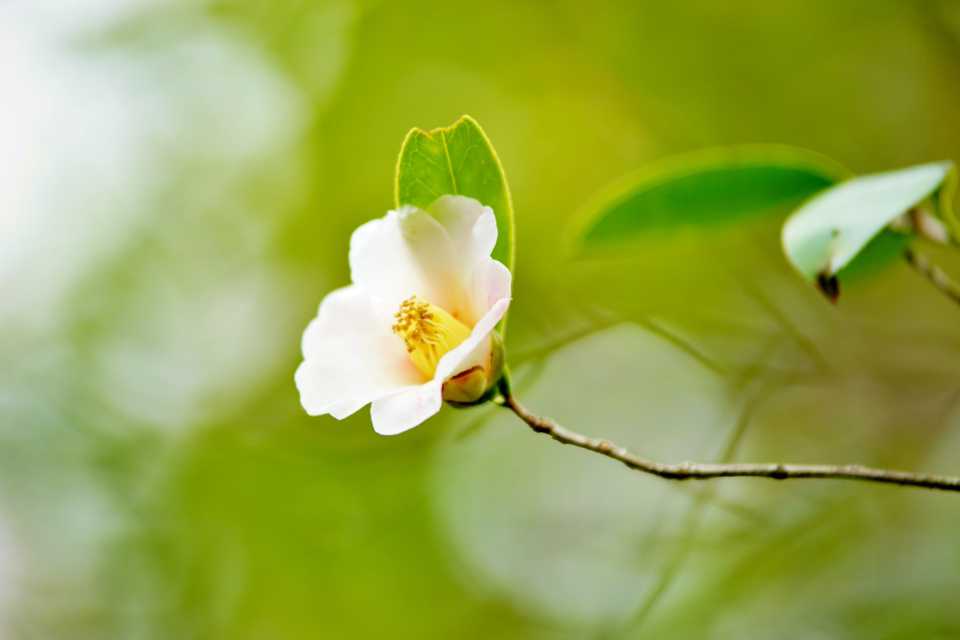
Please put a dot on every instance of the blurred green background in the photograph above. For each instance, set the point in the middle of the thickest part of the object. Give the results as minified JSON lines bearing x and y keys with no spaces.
{"x":178,"y":184}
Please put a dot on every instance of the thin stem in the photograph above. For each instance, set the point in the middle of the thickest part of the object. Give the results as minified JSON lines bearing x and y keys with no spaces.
{"x":699,"y":471}
{"x":694,"y":517}
{"x":933,"y":273}
{"x":659,"y":330}
{"x":550,"y":346}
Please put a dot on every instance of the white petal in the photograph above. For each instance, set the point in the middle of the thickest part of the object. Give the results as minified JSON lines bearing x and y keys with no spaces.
{"x":473,"y":232}
{"x":408,"y":253}
{"x":406,"y":408}
{"x":490,"y":283}
{"x":471,"y":226}
{"x":362,"y":236}
{"x":350,"y":357}
{"x":463,"y":357}
{"x":341,"y":311}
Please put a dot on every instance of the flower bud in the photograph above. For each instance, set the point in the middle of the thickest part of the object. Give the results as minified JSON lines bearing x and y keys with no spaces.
{"x":477,"y":384}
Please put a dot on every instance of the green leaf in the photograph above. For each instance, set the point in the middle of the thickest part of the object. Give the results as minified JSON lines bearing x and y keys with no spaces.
{"x":457,"y":160}
{"x":832,"y":233}
{"x":707,"y":187}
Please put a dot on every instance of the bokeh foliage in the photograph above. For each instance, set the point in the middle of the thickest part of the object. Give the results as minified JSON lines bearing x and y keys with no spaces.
{"x":186,"y":179}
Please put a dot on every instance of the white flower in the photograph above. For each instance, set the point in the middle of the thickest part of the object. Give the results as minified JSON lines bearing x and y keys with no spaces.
{"x":416,"y":327}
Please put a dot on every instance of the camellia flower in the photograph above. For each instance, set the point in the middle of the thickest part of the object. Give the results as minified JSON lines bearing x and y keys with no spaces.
{"x":416,"y":327}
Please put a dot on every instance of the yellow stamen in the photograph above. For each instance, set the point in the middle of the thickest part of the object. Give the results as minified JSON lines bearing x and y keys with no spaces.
{"x":429,"y":333}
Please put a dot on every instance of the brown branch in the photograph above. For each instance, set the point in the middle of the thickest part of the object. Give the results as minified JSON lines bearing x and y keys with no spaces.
{"x":698,"y":471}
{"x":933,"y":273}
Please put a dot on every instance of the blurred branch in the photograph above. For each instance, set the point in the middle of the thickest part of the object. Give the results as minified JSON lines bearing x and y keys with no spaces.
{"x":802,"y":341}
{"x":650,"y":325}
{"x":695,"y":515}
{"x":540,"y":352}
{"x":706,"y":471}
{"x":933,"y":273}
{"x":685,"y":346}
{"x":746,"y":279}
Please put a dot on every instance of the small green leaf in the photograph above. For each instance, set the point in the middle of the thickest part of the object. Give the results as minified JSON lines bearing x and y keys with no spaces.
{"x":456,"y":160}
{"x":830,"y":235}
{"x":701,"y":188}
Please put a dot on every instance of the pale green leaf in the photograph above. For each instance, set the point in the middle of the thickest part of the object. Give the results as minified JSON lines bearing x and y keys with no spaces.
{"x":830,"y":233}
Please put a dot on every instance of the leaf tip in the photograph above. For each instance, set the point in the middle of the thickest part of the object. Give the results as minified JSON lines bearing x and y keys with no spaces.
{"x":829,"y":286}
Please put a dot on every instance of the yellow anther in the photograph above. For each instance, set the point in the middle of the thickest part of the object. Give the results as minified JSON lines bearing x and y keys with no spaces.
{"x":429,"y":332}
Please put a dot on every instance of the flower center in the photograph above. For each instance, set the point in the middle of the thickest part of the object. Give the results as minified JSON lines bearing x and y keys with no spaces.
{"x":429,"y":333}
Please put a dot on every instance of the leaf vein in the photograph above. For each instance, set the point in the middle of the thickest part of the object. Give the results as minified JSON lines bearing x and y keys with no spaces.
{"x":446,"y":150}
